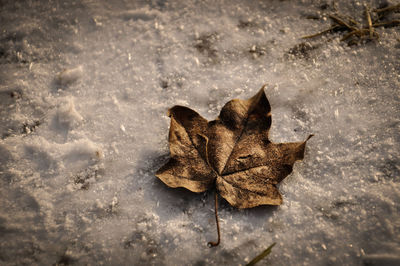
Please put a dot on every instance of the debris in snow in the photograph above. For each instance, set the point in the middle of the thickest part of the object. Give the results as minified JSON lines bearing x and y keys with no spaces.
{"x":357,"y":32}
{"x":69,"y":76}
{"x":67,"y":117}
{"x":144,"y":14}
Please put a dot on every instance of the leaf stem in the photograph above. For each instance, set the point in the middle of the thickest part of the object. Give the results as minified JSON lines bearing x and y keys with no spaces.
{"x":211,"y":243}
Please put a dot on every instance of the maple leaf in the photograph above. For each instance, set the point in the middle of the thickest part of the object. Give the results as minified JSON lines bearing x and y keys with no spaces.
{"x":232,"y":153}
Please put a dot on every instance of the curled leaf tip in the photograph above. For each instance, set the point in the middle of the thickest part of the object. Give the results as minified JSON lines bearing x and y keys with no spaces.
{"x":309,"y":137}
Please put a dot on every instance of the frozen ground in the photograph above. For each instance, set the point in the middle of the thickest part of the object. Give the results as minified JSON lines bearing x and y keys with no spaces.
{"x":84,"y":89}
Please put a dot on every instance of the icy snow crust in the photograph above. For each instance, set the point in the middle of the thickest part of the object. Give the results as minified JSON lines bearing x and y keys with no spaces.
{"x":84,"y":90}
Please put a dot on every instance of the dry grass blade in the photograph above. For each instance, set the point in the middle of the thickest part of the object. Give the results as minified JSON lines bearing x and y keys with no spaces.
{"x":261,"y":255}
{"x":386,"y":9}
{"x":352,"y":21}
{"x":340,"y":21}
{"x":369,"y":21}
{"x":322,"y":32}
{"x":387,"y":23}
{"x":359,"y":33}
{"x":357,"y":30}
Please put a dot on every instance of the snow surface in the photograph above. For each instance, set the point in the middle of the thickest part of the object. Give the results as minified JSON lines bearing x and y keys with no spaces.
{"x":84,"y":89}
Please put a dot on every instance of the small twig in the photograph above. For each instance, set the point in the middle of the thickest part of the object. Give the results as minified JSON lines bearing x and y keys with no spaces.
{"x":322,"y":32}
{"x":211,"y":243}
{"x":261,"y":256}
{"x":388,"y":8}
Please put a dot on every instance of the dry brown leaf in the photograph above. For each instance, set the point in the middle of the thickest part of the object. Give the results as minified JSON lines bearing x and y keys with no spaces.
{"x":232,"y":152}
